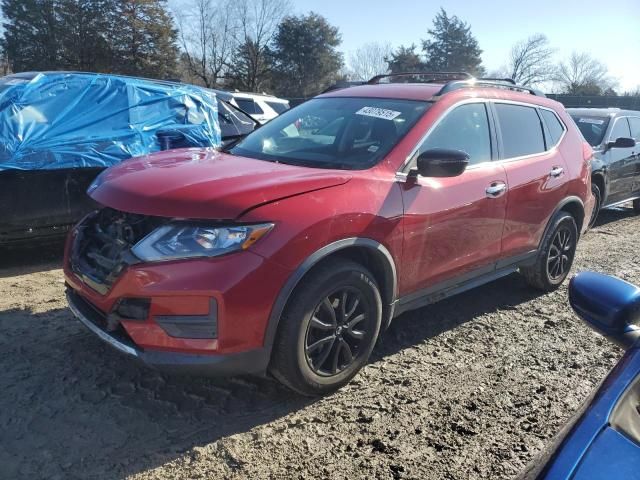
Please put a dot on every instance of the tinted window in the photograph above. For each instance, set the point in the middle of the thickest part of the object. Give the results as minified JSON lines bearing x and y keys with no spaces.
{"x":592,"y":128}
{"x":466,"y":128}
{"x":521,"y":130}
{"x":635,"y":127}
{"x":248,"y":105}
{"x":278,"y":107}
{"x":345,"y":133}
{"x":620,"y":129}
{"x":555,"y":127}
{"x":230,"y":115}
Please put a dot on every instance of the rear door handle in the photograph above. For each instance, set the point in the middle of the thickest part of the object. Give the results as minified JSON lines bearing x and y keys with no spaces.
{"x":496,"y":189}
{"x":556,"y":171}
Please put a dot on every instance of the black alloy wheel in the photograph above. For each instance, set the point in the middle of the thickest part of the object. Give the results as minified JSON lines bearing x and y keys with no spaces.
{"x":337,"y":331}
{"x":561,"y":253}
{"x":328,"y":329}
{"x":555,"y":254}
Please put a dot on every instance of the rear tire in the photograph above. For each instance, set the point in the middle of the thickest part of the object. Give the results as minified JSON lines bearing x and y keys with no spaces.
{"x":328,"y":329}
{"x":636,"y":205}
{"x":556,"y":254}
{"x":595,"y":190}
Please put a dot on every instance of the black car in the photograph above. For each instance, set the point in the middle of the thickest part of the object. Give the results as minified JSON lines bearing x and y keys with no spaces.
{"x":613,"y":134}
{"x":59,"y":130}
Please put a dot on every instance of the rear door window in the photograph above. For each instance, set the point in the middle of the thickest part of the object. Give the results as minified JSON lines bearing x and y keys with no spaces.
{"x":620,"y":129}
{"x":521,"y":130}
{"x":466,"y":128}
{"x":554,"y":126}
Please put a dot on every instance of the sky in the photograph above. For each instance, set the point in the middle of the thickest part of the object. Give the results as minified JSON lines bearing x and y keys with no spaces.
{"x":608,"y":30}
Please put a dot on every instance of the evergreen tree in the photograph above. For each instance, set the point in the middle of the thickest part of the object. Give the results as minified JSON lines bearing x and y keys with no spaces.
{"x":143,"y":38}
{"x":452,"y":47}
{"x":133,"y":37}
{"x":84,"y":35}
{"x":251,"y":69}
{"x":405,"y":59}
{"x":30,"y":39}
{"x":305,"y":55}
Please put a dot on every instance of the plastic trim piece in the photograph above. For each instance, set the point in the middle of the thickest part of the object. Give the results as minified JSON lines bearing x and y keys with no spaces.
{"x":391,"y":278}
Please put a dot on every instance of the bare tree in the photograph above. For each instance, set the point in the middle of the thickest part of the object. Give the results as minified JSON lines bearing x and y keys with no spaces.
{"x":581,"y":74}
{"x":369,"y":60}
{"x":530,"y":61}
{"x":258,"y":22}
{"x":208,"y":33}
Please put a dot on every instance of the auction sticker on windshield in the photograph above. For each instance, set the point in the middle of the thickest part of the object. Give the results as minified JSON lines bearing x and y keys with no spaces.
{"x":594,"y":121}
{"x":378,"y":113}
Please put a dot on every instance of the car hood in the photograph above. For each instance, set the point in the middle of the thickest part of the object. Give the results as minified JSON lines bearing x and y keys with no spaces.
{"x":204,"y":183}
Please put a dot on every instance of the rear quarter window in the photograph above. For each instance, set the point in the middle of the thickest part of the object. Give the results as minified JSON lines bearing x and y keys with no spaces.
{"x":521,"y":130}
{"x":278,"y":107}
{"x":620,"y":129}
{"x":249,"y":106}
{"x":554,"y":126}
{"x":635,"y":127}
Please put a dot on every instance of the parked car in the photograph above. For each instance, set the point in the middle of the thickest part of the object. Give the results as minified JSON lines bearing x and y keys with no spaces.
{"x":613,"y":134}
{"x":260,"y":106}
{"x":292,"y":250}
{"x":59,"y":130}
{"x":602,"y":442}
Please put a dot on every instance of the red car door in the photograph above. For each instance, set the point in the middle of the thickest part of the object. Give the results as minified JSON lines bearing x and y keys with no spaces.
{"x":453,"y":226}
{"x":536,"y":173}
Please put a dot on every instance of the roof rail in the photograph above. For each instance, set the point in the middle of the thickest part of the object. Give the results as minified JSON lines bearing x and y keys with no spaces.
{"x":507,"y":84}
{"x":431,"y":77}
{"x":494,"y":79}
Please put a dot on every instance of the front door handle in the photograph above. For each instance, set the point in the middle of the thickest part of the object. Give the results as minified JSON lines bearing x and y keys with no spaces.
{"x":496,"y":189}
{"x":556,"y":172}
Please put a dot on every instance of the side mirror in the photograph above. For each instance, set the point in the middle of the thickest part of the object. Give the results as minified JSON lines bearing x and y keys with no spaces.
{"x":608,"y":305}
{"x":440,"y":162}
{"x":622,"y":142}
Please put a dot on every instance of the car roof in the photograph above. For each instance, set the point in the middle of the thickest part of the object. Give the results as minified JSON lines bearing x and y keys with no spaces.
{"x":223,"y":94}
{"x":603,"y":112}
{"x":253,"y":96}
{"x":431,"y":92}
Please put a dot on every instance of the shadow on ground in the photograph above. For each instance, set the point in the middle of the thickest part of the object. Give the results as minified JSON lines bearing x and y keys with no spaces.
{"x":23,"y":259}
{"x":613,"y":214}
{"x":71,"y":407}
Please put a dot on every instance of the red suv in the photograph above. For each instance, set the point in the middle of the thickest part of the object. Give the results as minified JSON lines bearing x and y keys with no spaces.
{"x":292,"y":250}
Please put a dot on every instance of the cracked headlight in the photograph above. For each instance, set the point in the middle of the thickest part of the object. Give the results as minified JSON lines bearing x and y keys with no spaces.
{"x":177,"y":240}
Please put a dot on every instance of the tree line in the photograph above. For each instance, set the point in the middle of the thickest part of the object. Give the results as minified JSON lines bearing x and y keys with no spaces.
{"x":256,"y":45}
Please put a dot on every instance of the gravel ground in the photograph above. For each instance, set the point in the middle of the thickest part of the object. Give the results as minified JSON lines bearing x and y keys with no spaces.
{"x":472,"y":387}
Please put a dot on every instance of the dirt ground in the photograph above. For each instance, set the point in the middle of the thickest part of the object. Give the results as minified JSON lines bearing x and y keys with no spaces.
{"x":472,"y":387}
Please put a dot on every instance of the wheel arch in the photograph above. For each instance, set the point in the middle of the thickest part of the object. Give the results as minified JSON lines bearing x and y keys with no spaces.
{"x":572,"y":205}
{"x":366,"y":251}
{"x":599,"y":179}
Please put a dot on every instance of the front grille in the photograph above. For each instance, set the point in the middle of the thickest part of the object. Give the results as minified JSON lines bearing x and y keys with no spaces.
{"x":101,"y":249}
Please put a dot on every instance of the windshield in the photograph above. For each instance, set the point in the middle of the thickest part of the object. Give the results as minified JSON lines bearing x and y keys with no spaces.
{"x":343,"y":133}
{"x":592,"y":127}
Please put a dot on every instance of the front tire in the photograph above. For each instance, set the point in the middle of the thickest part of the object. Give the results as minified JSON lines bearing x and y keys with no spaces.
{"x":556,"y":254}
{"x":328,"y":329}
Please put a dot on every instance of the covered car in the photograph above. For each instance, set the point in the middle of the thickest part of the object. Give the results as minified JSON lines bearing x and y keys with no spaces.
{"x":58,"y":130}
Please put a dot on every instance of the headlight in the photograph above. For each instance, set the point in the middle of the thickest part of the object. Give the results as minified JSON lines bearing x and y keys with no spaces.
{"x":191,"y":240}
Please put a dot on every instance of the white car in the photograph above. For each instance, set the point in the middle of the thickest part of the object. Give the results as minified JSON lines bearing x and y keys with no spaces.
{"x":261,"y":107}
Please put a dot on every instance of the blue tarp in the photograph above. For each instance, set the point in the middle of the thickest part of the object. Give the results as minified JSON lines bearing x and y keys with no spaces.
{"x":69,"y":120}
